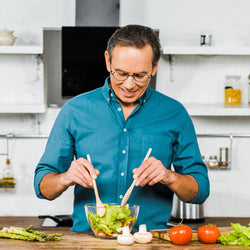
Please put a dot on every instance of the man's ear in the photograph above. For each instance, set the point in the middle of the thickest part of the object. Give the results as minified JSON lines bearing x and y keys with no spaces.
{"x":107,"y":60}
{"x":154,"y":68}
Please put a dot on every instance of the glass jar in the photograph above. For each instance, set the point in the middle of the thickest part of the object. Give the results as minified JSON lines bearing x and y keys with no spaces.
{"x":213,"y":161}
{"x":224,"y":158}
{"x":232,"y":90}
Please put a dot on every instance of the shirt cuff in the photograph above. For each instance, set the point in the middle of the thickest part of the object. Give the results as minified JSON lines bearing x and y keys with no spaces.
{"x":204,"y":189}
{"x":37,"y":181}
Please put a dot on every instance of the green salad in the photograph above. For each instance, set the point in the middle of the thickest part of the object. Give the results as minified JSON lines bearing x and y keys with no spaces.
{"x":115,"y":218}
{"x":240,"y":236}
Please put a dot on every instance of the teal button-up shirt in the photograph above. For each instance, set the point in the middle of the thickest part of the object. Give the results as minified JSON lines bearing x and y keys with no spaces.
{"x":93,"y":123}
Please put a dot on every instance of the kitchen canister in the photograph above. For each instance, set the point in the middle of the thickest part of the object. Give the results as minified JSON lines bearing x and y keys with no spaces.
{"x":224,"y":162}
{"x":233,"y":90}
{"x":7,"y":38}
{"x":205,"y":38}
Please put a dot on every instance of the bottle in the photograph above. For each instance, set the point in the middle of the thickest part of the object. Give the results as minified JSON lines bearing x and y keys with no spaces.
{"x":232,"y":90}
{"x":8,"y":174}
{"x":224,"y":157}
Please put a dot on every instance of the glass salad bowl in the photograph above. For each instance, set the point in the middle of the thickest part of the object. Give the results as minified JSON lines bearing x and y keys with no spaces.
{"x":116,"y":217}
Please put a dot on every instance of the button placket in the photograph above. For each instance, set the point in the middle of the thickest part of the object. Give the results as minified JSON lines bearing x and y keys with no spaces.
{"x":123,"y":165}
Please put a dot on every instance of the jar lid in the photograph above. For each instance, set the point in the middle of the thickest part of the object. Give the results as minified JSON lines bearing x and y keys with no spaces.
{"x":233,"y":76}
{"x":213,"y":157}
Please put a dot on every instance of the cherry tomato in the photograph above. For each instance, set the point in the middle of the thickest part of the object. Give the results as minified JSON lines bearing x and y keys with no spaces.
{"x":102,"y":234}
{"x":180,"y":235}
{"x":208,"y":233}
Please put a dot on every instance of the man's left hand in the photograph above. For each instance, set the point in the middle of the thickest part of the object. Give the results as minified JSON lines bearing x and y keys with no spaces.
{"x":151,"y":172}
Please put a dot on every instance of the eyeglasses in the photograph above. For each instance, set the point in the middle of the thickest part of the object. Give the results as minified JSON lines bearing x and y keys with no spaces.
{"x":120,"y":75}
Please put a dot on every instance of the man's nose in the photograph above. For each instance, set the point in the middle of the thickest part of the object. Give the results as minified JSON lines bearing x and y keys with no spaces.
{"x":129,"y":83}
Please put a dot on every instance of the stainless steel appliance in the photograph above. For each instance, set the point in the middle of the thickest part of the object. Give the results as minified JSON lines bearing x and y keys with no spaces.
{"x":187,"y":211}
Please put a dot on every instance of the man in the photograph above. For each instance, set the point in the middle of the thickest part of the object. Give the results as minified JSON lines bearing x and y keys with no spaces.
{"x":116,"y":125}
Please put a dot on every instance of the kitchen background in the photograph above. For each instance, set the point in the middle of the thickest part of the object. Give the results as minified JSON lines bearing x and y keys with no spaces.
{"x":191,"y":79}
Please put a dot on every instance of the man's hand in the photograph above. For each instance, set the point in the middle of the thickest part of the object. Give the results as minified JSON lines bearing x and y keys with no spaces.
{"x":151,"y":172}
{"x":81,"y":172}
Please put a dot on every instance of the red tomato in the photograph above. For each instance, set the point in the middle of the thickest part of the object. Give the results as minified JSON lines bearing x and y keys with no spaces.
{"x":101,"y":233}
{"x":208,"y":234}
{"x":180,"y":235}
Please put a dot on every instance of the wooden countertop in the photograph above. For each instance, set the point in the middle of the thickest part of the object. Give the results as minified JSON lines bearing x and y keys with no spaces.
{"x":86,"y":240}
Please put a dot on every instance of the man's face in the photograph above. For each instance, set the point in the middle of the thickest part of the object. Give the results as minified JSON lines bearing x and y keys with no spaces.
{"x":130,"y":60}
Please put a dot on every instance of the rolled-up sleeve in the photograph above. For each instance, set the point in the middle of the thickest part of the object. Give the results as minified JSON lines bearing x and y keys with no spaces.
{"x":59,"y":151}
{"x":187,"y":159}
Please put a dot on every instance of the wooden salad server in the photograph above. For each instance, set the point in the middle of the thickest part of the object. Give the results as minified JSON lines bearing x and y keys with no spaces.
{"x":129,"y":191}
{"x":100,"y":208}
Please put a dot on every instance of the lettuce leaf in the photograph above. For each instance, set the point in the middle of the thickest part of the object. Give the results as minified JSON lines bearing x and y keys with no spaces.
{"x":240,"y":236}
{"x":115,"y":217}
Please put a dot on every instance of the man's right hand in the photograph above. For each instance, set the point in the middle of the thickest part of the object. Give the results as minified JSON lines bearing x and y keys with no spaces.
{"x":81,"y":172}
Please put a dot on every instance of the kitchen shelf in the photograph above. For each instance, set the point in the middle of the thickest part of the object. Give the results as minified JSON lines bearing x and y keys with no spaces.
{"x":22,"y":108}
{"x":21,"y":50}
{"x":7,"y":186}
{"x":188,"y":50}
{"x":217,"y":110}
{"x":37,"y":51}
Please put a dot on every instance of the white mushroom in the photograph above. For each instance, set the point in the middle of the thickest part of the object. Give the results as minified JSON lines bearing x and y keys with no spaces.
{"x":143,"y":236}
{"x":126,"y":238}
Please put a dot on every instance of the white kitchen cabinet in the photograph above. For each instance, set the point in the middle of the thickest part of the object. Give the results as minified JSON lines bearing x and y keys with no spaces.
{"x":37,"y":51}
{"x":208,"y":109}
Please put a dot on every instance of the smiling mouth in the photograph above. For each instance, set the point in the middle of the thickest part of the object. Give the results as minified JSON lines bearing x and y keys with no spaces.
{"x":128,"y":94}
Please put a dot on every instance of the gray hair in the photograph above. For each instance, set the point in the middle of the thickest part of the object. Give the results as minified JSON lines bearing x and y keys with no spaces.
{"x":138,"y":36}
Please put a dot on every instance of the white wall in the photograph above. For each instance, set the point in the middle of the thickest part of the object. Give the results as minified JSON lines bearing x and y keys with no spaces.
{"x":200,"y":79}
{"x":21,"y":78}
{"x":21,"y":82}
{"x":196,"y":79}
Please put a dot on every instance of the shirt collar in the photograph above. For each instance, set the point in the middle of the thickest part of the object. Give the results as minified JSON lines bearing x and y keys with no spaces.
{"x":106,"y":90}
{"x":109,"y":94}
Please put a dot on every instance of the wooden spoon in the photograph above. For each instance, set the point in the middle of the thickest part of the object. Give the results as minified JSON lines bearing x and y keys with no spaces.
{"x":100,"y":208}
{"x":129,"y":191}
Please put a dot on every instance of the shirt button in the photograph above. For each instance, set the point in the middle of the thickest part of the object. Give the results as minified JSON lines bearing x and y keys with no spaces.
{"x":119,"y":109}
{"x":122,"y":174}
{"x":108,"y":99}
{"x":120,"y":196}
{"x":111,"y":95}
{"x":125,"y":130}
{"x":124,"y":151}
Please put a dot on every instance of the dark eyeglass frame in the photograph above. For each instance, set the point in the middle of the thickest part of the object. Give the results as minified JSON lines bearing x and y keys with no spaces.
{"x":126,"y":75}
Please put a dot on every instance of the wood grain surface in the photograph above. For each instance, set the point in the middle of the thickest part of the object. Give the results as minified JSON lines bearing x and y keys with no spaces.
{"x":164,"y":233}
{"x":86,"y":240}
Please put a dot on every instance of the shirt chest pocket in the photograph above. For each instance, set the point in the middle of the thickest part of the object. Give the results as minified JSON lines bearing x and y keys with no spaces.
{"x":162,"y":147}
